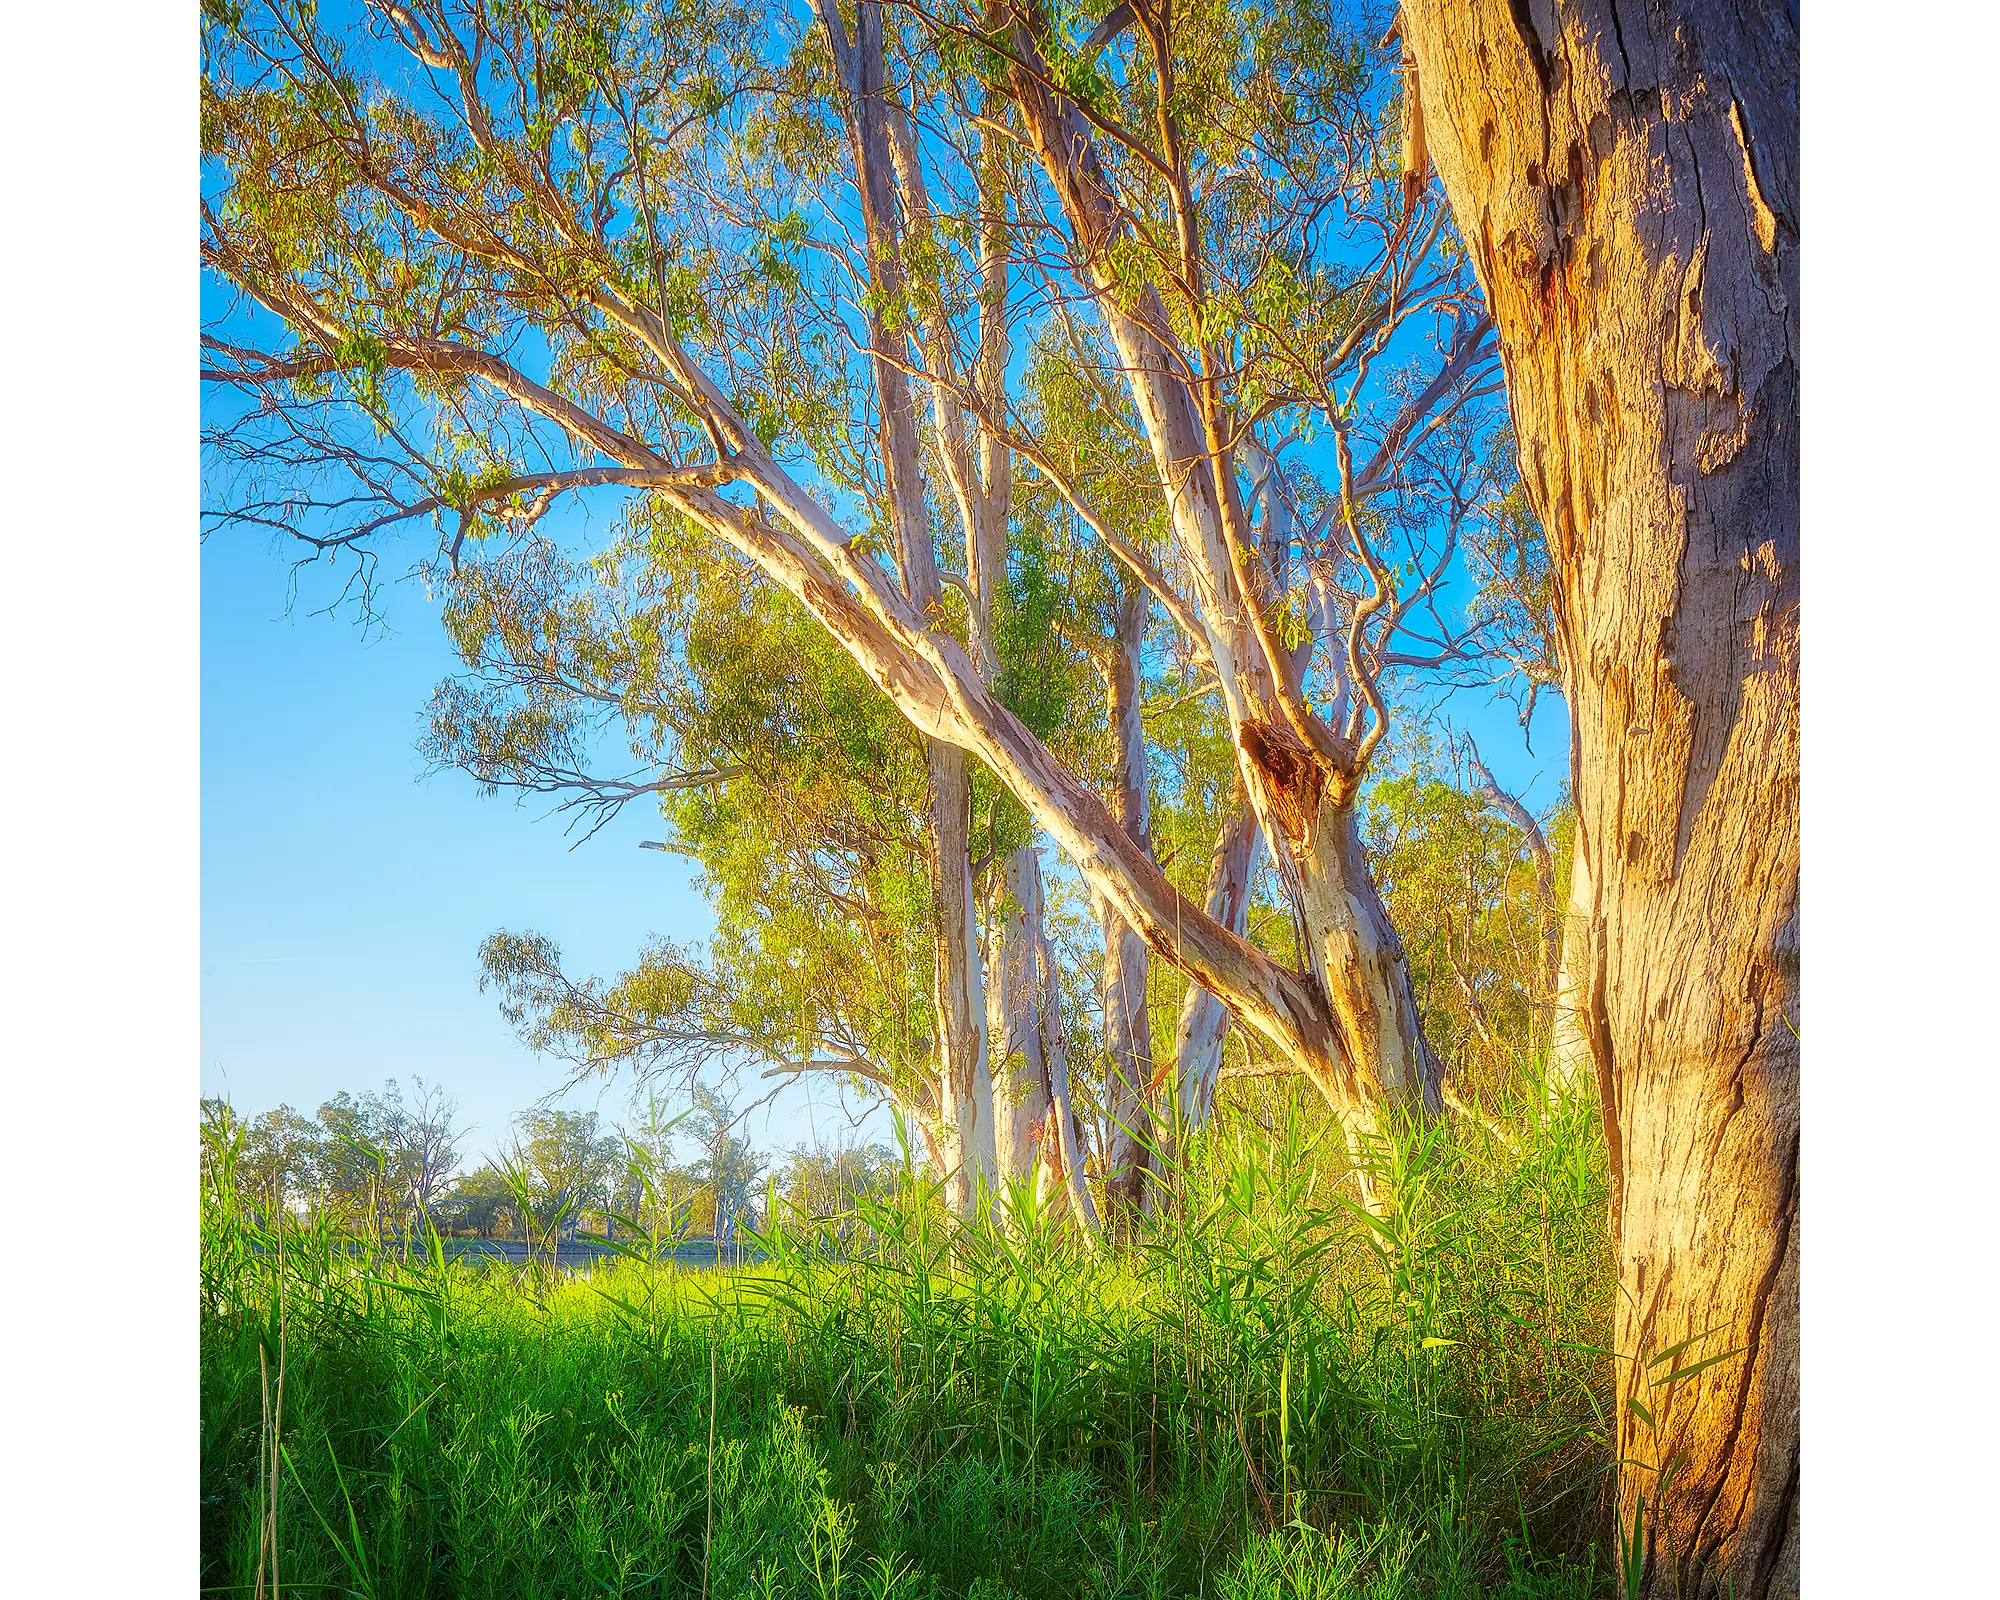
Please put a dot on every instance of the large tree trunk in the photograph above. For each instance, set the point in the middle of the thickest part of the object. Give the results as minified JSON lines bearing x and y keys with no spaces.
{"x":1627,"y":181}
{"x":966,"y":1078}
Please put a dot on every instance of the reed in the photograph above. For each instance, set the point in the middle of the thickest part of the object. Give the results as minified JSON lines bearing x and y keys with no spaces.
{"x":1271,"y":1392}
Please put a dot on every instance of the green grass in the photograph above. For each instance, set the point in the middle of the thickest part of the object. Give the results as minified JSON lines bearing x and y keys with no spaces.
{"x":1269,"y":1394}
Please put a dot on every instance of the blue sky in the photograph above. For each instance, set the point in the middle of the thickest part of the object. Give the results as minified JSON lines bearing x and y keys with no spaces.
{"x":345,"y":892}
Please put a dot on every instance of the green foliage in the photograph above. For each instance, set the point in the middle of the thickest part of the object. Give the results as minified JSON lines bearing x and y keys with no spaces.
{"x":372,"y":1159}
{"x":480,"y":1201}
{"x":821,"y":1184}
{"x":810,"y":835}
{"x":1041,"y":682}
{"x":1477,"y":931}
{"x":1264,"y":1397}
{"x":566,"y":1162}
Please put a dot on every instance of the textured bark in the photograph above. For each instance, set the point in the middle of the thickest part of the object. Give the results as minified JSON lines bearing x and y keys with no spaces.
{"x":1626,"y":178}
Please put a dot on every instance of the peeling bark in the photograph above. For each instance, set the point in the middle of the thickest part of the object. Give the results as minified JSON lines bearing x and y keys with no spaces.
{"x":1626,"y":179}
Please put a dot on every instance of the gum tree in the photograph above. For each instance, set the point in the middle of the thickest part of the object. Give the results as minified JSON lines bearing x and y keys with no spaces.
{"x":797,"y":791}
{"x":1626,"y":179}
{"x":494,"y":257}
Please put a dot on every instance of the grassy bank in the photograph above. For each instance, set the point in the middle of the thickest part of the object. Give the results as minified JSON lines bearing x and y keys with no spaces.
{"x":1269,"y":1394}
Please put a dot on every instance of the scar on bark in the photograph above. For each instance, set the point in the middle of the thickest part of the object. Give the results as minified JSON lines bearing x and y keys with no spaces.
{"x":1296,"y":775}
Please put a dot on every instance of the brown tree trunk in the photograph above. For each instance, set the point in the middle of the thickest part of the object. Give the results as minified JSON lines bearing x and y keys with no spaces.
{"x":1626,"y":178}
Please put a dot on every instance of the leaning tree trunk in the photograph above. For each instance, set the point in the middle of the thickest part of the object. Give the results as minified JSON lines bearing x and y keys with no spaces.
{"x":1626,"y":179}
{"x":1365,"y":1049}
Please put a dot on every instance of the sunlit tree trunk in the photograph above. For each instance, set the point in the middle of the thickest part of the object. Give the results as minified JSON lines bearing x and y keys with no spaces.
{"x":1627,"y":181}
{"x":966,"y":1077}
{"x":1302,"y":776}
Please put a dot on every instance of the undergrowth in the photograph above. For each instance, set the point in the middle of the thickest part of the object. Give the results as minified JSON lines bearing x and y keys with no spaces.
{"x":1269,"y":1392}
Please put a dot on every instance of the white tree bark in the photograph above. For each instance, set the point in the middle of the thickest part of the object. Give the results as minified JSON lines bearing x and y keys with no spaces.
{"x":1302,"y":777}
{"x":1129,"y":1148}
{"x":961,"y":1007}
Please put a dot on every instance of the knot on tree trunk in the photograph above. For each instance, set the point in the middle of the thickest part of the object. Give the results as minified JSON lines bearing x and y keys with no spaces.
{"x":1295,"y":775}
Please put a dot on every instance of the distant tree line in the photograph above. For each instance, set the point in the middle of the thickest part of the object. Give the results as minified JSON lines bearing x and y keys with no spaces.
{"x":381,"y":1162}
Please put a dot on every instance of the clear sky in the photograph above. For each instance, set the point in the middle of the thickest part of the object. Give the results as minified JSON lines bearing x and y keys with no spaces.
{"x":345,"y":892}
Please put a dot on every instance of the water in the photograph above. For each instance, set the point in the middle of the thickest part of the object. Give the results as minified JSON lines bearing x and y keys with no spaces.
{"x":580,"y":1255}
